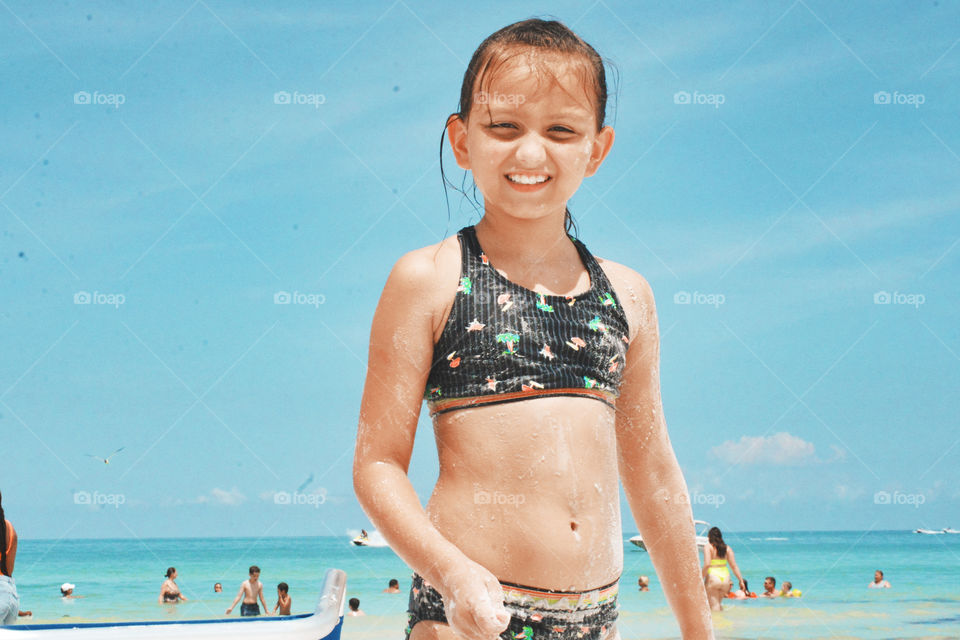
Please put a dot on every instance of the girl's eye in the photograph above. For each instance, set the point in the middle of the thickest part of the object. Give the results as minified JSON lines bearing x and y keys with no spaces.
{"x":561,"y":129}
{"x":501,"y":125}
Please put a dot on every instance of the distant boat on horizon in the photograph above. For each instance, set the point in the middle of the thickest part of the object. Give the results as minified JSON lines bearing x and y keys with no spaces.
{"x":701,"y":536}
{"x":949,"y":530}
{"x":930,"y":532}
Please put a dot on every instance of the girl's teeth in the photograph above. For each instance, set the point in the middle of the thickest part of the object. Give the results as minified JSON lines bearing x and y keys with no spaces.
{"x":527,"y":179}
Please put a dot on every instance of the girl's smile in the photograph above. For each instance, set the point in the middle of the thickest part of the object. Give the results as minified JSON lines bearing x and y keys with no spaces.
{"x":527,"y":181}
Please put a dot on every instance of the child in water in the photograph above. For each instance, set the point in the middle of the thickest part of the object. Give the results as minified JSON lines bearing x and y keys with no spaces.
{"x":284,"y":601}
{"x":540,"y":367}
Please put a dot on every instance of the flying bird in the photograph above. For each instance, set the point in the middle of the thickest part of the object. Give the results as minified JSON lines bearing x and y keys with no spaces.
{"x":305,"y":484}
{"x":107,"y":459}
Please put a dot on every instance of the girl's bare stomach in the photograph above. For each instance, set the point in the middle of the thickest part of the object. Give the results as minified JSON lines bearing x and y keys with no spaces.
{"x":530,"y":490}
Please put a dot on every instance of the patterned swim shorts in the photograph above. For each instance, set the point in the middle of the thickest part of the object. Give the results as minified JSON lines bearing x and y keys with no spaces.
{"x":535,"y":614}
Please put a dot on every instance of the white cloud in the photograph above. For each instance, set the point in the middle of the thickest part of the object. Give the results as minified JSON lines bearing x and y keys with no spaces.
{"x":780,"y":448}
{"x":232,"y":498}
{"x":839,"y":454}
{"x":845,"y":492}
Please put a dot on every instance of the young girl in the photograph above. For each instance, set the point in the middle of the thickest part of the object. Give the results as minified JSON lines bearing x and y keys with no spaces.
{"x":539,"y":364}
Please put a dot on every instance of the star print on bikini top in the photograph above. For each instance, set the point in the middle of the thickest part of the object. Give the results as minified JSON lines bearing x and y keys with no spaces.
{"x":503,"y":342}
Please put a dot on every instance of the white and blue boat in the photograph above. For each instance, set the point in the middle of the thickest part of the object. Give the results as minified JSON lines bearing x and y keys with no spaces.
{"x":325,"y":623}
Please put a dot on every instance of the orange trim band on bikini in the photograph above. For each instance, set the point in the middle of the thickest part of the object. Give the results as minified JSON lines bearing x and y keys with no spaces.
{"x":440,"y":406}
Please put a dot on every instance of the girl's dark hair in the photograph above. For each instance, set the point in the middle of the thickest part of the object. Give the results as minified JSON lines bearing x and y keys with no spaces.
{"x":525,"y":37}
{"x":716,"y":539}
{"x":3,"y":540}
{"x":170,"y":571}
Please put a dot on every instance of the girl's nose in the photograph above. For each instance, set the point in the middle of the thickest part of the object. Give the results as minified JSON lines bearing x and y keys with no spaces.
{"x":531,"y":153}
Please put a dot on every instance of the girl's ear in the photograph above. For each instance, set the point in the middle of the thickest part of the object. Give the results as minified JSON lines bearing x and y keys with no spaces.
{"x":601,"y":147}
{"x":457,"y":133}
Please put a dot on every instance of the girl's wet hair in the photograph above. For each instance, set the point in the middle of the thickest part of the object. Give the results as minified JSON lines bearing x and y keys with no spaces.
{"x":533,"y":38}
{"x":170,"y":571}
{"x":3,"y":540}
{"x":716,"y":539}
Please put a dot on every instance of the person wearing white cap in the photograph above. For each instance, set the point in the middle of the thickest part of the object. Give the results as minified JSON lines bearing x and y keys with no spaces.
{"x":66,"y":590}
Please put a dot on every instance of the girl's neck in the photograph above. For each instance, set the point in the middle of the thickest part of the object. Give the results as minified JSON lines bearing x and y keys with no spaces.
{"x":524,"y":241}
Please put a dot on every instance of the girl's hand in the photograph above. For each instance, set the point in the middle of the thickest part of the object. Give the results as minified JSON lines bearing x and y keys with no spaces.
{"x":474,"y":602}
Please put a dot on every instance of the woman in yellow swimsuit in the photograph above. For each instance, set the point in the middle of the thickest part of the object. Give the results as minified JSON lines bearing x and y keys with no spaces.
{"x":718,"y":559}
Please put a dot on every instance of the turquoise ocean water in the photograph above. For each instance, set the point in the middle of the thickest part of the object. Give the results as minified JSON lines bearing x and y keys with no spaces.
{"x":121,"y":579}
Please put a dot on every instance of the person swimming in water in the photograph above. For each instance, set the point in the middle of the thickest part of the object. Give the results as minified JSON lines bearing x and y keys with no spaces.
{"x":169,"y":591}
{"x":355,"y":610}
{"x":393,"y":586}
{"x":769,"y":588}
{"x":540,"y":366}
{"x":718,"y":559}
{"x":878,"y":581}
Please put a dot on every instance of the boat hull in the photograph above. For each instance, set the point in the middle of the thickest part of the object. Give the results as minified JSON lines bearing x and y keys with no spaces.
{"x":325,"y":623}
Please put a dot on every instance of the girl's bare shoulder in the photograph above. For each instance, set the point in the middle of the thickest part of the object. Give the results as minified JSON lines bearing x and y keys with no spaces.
{"x":430,"y":274}
{"x":634,"y":293}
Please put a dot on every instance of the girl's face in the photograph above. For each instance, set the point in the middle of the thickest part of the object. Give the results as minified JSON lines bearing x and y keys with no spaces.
{"x":530,"y":139}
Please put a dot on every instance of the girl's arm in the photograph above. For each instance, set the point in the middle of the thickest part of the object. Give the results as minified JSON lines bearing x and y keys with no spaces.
{"x":401,"y":352}
{"x":733,"y":565}
{"x":651,"y":476}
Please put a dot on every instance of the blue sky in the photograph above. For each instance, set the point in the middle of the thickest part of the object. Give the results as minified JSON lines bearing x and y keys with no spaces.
{"x":779,"y":165}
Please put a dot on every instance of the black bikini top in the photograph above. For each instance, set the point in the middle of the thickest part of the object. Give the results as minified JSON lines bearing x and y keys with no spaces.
{"x":503,"y":342}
